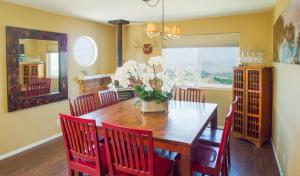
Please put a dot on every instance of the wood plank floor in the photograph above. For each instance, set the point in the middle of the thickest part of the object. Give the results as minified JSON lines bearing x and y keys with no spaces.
{"x":50,"y":160}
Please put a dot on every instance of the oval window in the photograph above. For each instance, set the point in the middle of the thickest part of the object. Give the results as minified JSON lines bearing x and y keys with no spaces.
{"x":85,"y":51}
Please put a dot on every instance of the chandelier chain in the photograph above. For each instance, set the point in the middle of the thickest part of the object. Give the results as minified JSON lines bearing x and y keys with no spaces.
{"x":163,"y":16}
{"x":163,"y":23}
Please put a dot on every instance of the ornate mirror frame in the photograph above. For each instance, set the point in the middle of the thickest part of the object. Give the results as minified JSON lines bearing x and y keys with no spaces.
{"x":15,"y":99}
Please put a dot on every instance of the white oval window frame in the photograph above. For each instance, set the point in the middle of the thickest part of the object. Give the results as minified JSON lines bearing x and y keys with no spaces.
{"x":95,"y":51}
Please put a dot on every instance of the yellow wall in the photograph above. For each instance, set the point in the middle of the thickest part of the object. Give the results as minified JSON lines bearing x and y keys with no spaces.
{"x":254,"y":30}
{"x":286,"y":111}
{"x":21,"y":128}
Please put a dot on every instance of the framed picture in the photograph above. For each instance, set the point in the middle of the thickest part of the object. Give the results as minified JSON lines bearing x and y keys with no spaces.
{"x":286,"y":31}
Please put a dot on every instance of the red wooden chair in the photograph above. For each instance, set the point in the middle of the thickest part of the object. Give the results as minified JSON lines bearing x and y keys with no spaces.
{"x":107,"y":98}
{"x":130,"y":152}
{"x":84,"y":154}
{"x":213,"y":137}
{"x":211,"y":160}
{"x":83,"y":104}
{"x":38,"y":86}
{"x":189,"y":94}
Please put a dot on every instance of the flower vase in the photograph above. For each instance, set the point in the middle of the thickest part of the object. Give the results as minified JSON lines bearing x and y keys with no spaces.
{"x":153,"y":106}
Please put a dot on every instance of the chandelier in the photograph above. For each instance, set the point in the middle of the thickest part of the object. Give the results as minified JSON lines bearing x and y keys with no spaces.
{"x":166,"y":32}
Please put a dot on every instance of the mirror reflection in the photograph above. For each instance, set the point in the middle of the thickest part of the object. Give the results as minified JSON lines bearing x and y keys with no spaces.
{"x":39,"y":67}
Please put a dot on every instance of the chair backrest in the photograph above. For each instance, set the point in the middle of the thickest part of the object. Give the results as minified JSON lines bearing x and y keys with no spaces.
{"x":83,"y":104}
{"x":225,"y":137}
{"x":189,"y":94}
{"x":129,"y":150}
{"x":80,"y":139}
{"x":38,"y":86}
{"x":107,"y":98}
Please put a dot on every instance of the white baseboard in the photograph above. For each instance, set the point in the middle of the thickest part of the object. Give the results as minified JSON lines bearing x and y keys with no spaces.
{"x":22,"y":149}
{"x":277,"y":159}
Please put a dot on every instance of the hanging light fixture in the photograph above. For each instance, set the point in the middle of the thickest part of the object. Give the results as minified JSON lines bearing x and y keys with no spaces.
{"x":165,"y":32}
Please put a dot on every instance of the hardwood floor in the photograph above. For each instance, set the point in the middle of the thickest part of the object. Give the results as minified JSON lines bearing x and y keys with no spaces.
{"x":50,"y":160}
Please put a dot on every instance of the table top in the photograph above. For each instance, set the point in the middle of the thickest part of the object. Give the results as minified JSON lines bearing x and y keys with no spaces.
{"x":181,"y":124}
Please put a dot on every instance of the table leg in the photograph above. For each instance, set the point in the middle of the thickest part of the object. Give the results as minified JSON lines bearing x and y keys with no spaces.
{"x":186,"y":162}
{"x":214,"y":120}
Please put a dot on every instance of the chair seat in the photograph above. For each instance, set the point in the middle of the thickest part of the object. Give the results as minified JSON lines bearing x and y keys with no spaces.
{"x":89,"y":164}
{"x":211,"y":136}
{"x":162,"y":167}
{"x":203,"y":158}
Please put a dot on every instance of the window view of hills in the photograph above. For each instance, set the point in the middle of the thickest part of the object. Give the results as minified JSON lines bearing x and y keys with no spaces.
{"x":214,"y":64}
{"x":217,"y":63}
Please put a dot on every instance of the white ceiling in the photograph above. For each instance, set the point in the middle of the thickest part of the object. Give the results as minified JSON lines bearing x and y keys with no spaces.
{"x":138,"y":11}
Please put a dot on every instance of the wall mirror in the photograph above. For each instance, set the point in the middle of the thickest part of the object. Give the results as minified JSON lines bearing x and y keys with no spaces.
{"x":36,"y":67}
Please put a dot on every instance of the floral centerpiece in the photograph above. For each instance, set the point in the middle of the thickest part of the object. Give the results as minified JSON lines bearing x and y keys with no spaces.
{"x":153,"y":86}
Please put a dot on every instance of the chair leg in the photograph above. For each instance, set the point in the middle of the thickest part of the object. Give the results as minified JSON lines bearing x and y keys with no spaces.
{"x":222,"y":170}
{"x":172,"y":171}
{"x":71,"y":172}
{"x":176,"y":169}
{"x":228,"y":155}
{"x":225,"y":166}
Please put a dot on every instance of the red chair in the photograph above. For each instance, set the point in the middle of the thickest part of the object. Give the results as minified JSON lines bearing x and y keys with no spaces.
{"x":213,"y":137}
{"x":84,"y":154}
{"x":83,"y":104}
{"x":130,"y":152}
{"x":211,"y":160}
{"x":107,"y":98}
{"x":37,"y":87}
{"x":189,"y":94}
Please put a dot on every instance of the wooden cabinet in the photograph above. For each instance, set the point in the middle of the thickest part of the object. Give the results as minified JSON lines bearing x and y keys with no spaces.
{"x":31,"y":71}
{"x":253,"y":112}
{"x":89,"y":84}
{"x":94,"y":83}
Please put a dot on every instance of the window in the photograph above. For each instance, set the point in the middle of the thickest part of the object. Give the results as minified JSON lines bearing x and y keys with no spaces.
{"x":52,"y":64}
{"x":85,"y":51}
{"x":212,"y":61}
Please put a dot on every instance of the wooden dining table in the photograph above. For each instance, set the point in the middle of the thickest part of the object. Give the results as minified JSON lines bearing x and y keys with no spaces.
{"x":175,"y":130}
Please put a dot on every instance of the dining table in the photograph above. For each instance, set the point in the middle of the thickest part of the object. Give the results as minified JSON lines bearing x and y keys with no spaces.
{"x":174,"y":130}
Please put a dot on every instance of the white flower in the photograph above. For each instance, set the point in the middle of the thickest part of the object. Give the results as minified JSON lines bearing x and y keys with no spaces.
{"x":155,"y":60}
{"x":146,"y":74}
{"x":130,"y":64}
{"x":124,"y":83}
{"x":159,"y":75}
{"x":141,"y":69}
{"x":148,"y":88}
{"x":166,"y":88}
{"x":142,"y":66}
{"x":149,"y":69}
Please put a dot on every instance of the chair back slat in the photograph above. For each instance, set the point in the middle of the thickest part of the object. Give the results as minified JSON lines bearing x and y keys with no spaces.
{"x":107,"y":98}
{"x":79,"y":138}
{"x":189,"y":94}
{"x":225,"y":137}
{"x":128,"y":150}
{"x":83,"y":104}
